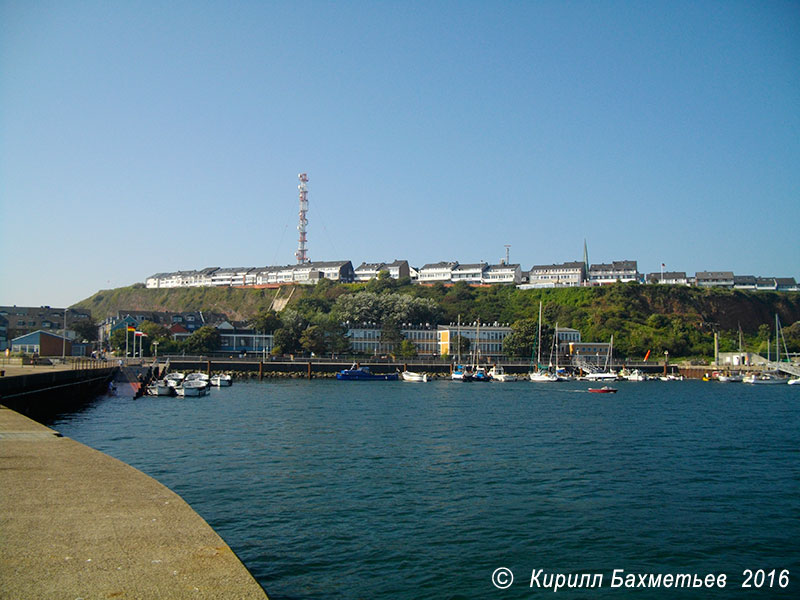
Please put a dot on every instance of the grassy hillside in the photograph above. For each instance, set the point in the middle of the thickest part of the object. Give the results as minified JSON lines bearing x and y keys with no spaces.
{"x":679,"y":319}
{"x":234,"y":302}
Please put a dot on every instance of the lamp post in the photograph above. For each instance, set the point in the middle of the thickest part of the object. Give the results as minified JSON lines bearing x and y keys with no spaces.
{"x":155,"y":345}
{"x":64,"y":339}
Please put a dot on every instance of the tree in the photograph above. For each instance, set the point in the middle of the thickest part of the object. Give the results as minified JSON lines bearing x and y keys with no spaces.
{"x":408,"y":349}
{"x":86,"y":329}
{"x":313,"y":339}
{"x":266,"y":321}
{"x":203,"y":341}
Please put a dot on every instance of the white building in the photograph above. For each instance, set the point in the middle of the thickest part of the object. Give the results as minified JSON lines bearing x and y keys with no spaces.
{"x":396,"y":270}
{"x":715,"y":279}
{"x":568,"y":274}
{"x":441,"y":272}
{"x":619,"y":270}
{"x":490,"y":344}
{"x":668,"y":278}
{"x":469,"y":273}
{"x":503,"y":273}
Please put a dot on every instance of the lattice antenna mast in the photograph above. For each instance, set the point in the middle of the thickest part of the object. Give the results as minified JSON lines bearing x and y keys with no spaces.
{"x":302,"y":258}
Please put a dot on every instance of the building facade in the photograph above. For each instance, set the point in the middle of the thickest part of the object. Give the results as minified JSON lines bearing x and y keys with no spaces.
{"x":570,"y":274}
{"x":619,"y":270}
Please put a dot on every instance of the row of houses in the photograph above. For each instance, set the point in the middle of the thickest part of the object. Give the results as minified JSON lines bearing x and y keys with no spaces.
{"x":569,"y":274}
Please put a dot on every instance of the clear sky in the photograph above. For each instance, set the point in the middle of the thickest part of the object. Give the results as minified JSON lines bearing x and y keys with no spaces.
{"x":140,"y":136}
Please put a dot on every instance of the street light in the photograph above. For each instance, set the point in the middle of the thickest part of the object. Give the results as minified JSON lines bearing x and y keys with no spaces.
{"x":156,"y":349}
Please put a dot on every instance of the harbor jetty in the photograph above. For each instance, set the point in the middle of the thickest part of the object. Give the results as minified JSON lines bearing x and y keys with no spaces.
{"x":76,"y":523}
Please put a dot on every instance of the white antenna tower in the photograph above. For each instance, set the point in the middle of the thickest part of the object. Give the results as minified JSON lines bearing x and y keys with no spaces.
{"x":301,"y":227}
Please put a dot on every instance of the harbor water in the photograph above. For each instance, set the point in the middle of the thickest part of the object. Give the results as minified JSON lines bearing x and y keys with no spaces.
{"x":330,"y":489}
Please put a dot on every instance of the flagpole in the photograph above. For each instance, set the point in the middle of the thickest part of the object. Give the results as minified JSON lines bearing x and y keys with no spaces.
{"x":126,"y":342}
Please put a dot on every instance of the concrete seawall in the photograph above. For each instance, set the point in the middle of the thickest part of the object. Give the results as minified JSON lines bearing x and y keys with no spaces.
{"x":76,"y":523}
{"x":40,"y":392}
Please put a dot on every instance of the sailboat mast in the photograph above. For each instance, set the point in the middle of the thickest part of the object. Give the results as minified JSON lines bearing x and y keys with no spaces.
{"x":539,"y":338}
{"x":458,"y":341}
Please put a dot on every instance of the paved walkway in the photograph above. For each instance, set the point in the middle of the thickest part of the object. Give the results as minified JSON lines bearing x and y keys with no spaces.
{"x":76,"y":523}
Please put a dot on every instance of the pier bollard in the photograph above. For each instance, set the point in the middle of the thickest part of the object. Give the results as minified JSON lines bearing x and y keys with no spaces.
{"x":309,"y":369}
{"x":261,"y":370}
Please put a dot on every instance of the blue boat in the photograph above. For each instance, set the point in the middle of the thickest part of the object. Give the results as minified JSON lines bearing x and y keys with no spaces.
{"x":364,"y":374}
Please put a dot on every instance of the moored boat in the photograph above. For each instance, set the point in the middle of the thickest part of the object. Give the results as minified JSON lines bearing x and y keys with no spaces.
{"x":222,"y":380}
{"x":413,"y":376}
{"x":765,"y":379}
{"x":174,"y":379}
{"x":497,"y":373}
{"x":364,"y":374}
{"x":481,"y":375}
{"x":192,"y":387}
{"x":160,"y":388}
{"x":461,"y":373}
{"x":730,"y":378}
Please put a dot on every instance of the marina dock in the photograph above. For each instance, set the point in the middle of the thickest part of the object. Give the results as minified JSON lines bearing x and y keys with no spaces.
{"x":76,"y":523}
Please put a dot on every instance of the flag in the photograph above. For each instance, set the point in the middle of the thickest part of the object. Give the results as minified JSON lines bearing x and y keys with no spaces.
{"x":646,"y":356}
{"x":131,"y":328}
{"x":139,"y":334}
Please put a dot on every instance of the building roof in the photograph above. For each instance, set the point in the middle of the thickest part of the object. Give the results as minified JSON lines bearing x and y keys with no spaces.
{"x":617,"y":265}
{"x":707,"y":275}
{"x":470,"y":267}
{"x":566,"y":265}
{"x":441,"y":265}
{"x":36,"y":335}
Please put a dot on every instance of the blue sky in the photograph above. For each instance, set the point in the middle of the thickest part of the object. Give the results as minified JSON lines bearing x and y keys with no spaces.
{"x":139,"y":137}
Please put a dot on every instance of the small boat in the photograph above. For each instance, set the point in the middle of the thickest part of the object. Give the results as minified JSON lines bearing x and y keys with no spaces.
{"x":412,"y":376}
{"x":765,"y":379}
{"x":364,"y":374}
{"x":199,"y":377}
{"x":174,"y":379}
{"x":636,"y":375}
{"x":795,"y":381}
{"x":222,"y":380}
{"x":730,"y":378}
{"x":543,"y":377}
{"x":497,"y":373}
{"x":160,"y":388}
{"x":192,"y":387}
{"x":481,"y":375}
{"x":603,"y":390}
{"x":461,"y":373}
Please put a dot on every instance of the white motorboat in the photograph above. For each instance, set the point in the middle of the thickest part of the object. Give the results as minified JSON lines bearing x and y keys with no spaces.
{"x":795,"y":381}
{"x":198,"y":376}
{"x":413,"y":376}
{"x":601,"y":376}
{"x":543,"y":377}
{"x":765,"y":379}
{"x":497,"y":373}
{"x":730,"y":378}
{"x":192,"y":387}
{"x":636,"y":375}
{"x":160,"y":388}
{"x":222,"y":380}
{"x":174,"y":379}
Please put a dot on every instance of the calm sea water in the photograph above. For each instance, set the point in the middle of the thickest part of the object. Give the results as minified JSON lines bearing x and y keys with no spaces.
{"x":330,"y":489}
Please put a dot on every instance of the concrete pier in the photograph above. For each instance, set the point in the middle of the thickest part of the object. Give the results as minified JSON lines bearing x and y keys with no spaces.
{"x":76,"y":523}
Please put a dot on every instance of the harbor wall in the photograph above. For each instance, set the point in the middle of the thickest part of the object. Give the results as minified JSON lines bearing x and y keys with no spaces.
{"x":77,"y":523}
{"x":45,"y":393}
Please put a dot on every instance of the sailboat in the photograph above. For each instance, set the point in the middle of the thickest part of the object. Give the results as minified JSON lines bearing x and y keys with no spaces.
{"x":538,"y":375}
{"x":460,"y":372}
{"x":771,"y":378}
{"x":478,"y":372}
{"x":606,"y":374}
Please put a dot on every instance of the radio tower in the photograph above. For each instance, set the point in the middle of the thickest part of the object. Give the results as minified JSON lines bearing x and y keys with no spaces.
{"x":301,"y":227}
